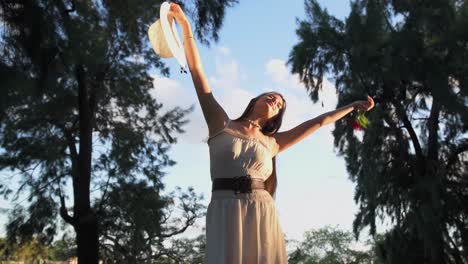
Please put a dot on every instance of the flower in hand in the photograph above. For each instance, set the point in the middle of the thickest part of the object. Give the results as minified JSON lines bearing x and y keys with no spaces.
{"x":361,"y":121}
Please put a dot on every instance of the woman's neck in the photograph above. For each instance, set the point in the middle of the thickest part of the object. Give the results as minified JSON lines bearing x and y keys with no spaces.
{"x":254,"y":122}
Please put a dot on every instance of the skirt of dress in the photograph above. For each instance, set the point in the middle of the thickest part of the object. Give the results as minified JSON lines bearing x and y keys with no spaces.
{"x":243,"y":228}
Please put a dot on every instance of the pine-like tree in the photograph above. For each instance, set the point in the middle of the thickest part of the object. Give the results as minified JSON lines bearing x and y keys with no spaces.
{"x":411,"y":165}
{"x":75,"y":108}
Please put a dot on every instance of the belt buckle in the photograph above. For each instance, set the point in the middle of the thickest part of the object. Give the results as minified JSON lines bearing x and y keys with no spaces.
{"x":243,"y":184}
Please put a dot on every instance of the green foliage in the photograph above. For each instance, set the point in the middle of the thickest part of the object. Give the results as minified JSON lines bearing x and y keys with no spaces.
{"x":63,"y":249}
{"x":185,"y":250}
{"x":28,"y":252}
{"x":329,"y":245}
{"x":362,"y":119}
{"x":138,"y":222}
{"x":3,"y":249}
{"x":77,"y":110}
{"x":34,"y":251}
{"x":410,"y":166}
{"x":38,"y":222}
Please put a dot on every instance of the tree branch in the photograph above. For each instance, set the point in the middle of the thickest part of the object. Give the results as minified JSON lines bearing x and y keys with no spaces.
{"x":188,"y":222}
{"x":68,"y":133}
{"x":390,"y":26}
{"x":407,"y":124}
{"x":453,"y":156}
{"x":433,"y":125}
{"x":63,"y":211}
{"x":103,"y":197}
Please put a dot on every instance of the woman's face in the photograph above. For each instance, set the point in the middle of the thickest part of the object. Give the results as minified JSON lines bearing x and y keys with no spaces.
{"x":270,"y":103}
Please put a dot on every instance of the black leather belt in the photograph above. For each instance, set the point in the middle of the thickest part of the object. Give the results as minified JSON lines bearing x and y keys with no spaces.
{"x":242,"y":184}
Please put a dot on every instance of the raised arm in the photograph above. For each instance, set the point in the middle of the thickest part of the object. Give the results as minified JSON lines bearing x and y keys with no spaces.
{"x":290,"y":137}
{"x":214,"y":114}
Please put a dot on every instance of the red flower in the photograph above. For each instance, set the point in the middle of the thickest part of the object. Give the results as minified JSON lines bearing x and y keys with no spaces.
{"x":356,"y":125}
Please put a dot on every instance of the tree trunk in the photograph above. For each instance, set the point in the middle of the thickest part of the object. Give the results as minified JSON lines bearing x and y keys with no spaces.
{"x":87,"y":239}
{"x":86,"y":222}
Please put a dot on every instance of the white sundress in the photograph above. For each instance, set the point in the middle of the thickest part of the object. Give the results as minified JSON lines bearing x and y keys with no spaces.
{"x":244,"y":227}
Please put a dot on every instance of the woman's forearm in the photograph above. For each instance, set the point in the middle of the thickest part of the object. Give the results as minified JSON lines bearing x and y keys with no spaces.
{"x":190,"y":48}
{"x":193,"y":59}
{"x":294,"y":135}
{"x":332,"y":116}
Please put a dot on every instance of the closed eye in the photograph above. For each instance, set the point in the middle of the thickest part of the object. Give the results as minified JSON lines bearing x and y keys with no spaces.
{"x":279,"y":105}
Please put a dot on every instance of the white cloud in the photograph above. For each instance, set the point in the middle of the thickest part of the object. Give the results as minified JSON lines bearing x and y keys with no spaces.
{"x":276,"y":69}
{"x":172,"y":93}
{"x":227,"y":88}
{"x":227,"y":74}
{"x":225,"y":51}
{"x":299,"y":106}
{"x":225,"y":84}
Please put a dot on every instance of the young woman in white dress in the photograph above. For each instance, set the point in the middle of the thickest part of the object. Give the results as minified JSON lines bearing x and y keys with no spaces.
{"x":241,"y":223}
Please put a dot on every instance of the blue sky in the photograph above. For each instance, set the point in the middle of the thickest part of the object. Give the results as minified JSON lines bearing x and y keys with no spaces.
{"x":255,"y":41}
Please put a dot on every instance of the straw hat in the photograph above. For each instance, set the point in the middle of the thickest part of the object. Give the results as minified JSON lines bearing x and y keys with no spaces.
{"x":164,"y":37}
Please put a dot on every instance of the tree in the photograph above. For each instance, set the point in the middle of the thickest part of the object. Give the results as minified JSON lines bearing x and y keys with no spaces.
{"x":138,"y":223}
{"x":330,"y":245}
{"x":63,"y":249}
{"x":34,"y":251}
{"x":185,"y":250}
{"x":3,"y":249}
{"x":410,"y":166}
{"x":76,"y":112}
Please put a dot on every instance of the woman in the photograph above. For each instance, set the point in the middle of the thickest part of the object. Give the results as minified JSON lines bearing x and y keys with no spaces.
{"x":241,"y":223}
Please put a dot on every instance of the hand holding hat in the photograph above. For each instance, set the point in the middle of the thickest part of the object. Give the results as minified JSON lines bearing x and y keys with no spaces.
{"x":176,"y":11}
{"x":163,"y":33}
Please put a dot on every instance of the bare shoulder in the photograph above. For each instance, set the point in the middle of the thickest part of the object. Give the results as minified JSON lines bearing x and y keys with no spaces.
{"x":222,"y":123}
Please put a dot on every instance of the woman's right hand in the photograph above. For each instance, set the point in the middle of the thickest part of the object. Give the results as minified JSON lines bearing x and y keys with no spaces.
{"x":364,"y":105}
{"x":176,"y":11}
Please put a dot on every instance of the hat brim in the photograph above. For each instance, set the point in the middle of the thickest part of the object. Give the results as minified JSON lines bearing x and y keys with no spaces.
{"x":158,"y":41}
{"x":164,"y":38}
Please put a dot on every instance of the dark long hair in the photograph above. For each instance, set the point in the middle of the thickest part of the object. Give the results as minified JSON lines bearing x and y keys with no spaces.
{"x":270,"y":128}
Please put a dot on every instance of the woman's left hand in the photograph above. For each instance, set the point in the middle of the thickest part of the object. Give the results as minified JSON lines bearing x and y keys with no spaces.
{"x":176,"y":11}
{"x":364,"y":105}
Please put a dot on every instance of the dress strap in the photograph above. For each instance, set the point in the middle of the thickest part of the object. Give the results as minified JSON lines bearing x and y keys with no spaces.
{"x":220,"y":131}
